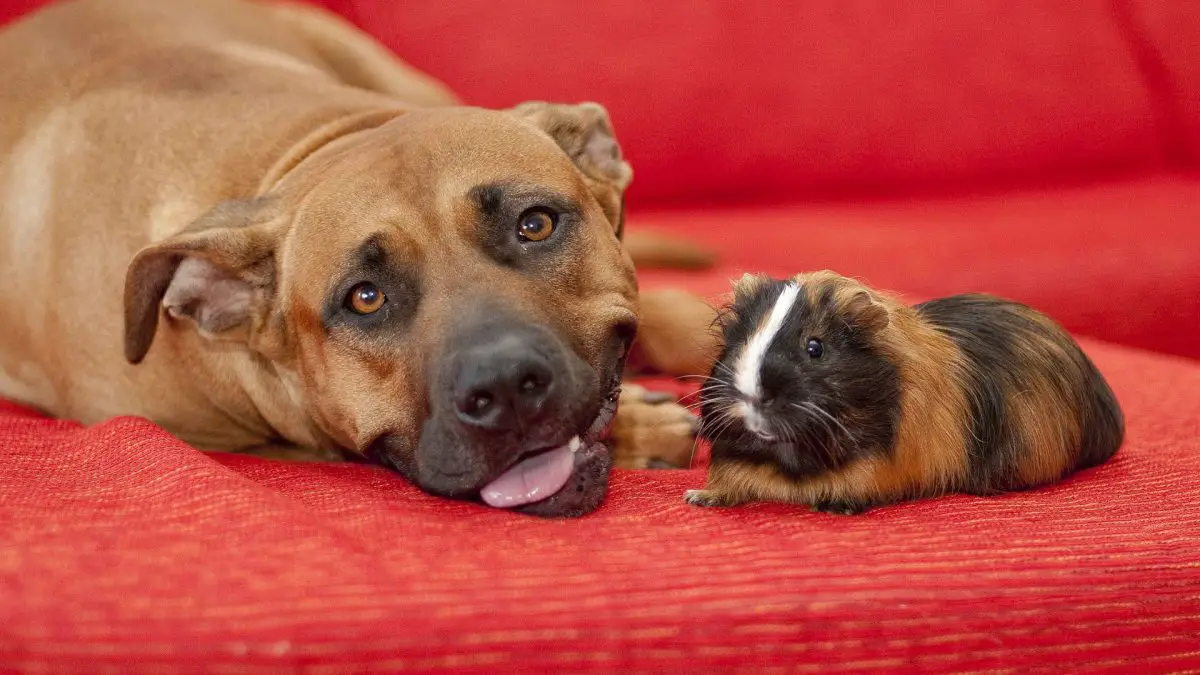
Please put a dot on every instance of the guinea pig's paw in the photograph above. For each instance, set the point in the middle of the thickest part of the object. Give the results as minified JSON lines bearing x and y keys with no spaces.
{"x":702,"y":498}
{"x":652,"y":431}
{"x":840,"y":507}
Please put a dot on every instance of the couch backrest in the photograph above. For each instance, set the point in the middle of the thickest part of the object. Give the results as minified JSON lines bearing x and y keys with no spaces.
{"x":1165,"y":34}
{"x":766,"y":100}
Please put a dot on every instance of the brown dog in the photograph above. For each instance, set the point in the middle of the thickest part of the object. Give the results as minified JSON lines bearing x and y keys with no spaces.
{"x":314,"y":249}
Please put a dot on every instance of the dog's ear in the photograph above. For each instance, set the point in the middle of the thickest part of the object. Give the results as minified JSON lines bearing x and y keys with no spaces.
{"x":585,"y":133}
{"x":219,"y":273}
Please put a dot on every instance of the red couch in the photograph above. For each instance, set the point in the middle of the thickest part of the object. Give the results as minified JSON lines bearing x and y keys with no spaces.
{"x":1044,"y":151}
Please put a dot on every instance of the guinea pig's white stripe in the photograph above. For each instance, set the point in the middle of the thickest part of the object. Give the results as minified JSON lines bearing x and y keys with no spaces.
{"x":747,"y":374}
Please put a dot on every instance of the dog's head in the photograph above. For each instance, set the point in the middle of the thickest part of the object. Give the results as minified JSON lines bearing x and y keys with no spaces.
{"x":446,"y":293}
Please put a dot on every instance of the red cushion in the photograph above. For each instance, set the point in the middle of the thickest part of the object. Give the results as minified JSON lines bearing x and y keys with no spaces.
{"x":121,"y":547}
{"x":1118,"y":261}
{"x":1165,"y":35}
{"x":741,"y":100}
{"x":12,"y":9}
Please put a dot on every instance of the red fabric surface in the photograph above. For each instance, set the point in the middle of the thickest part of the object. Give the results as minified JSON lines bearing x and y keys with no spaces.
{"x":122,"y":548}
{"x":1166,"y":37}
{"x":727,"y":99}
{"x":732,"y":100}
{"x":11,"y":9}
{"x":1119,"y":261}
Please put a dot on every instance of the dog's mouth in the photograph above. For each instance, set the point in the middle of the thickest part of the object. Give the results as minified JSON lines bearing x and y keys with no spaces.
{"x":556,"y":469}
{"x":539,"y":475}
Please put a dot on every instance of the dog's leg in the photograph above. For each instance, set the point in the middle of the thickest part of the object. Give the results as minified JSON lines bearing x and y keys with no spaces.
{"x":360,"y":60}
{"x":654,"y":250}
{"x":652,"y":431}
{"x":676,"y":335}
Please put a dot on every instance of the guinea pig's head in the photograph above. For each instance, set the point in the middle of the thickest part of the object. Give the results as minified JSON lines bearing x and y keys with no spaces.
{"x":803,"y":382}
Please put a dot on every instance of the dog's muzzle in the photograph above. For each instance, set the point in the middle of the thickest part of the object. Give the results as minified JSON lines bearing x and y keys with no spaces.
{"x":517,"y":420}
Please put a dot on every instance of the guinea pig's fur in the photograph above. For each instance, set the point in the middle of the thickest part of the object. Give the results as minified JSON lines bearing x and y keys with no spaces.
{"x":831,"y":394}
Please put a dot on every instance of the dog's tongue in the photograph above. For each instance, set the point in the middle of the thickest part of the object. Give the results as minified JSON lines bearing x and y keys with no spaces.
{"x":533,"y":479}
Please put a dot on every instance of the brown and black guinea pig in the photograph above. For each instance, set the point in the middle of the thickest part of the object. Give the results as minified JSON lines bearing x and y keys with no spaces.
{"x":831,"y":394}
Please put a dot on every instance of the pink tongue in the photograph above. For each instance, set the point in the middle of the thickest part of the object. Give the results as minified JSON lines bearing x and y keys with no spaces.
{"x":532,"y":479}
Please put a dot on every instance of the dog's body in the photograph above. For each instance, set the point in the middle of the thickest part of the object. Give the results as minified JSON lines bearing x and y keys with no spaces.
{"x":262,"y":166}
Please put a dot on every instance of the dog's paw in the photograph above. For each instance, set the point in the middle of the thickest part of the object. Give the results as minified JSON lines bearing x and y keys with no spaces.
{"x":652,"y":431}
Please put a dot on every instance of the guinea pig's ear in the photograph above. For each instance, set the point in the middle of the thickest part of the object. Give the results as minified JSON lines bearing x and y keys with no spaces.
{"x":866,"y":312}
{"x":219,"y":273}
{"x":749,"y":284}
{"x":585,"y":133}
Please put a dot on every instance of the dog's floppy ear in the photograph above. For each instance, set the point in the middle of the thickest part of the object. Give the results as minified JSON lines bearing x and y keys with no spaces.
{"x":585,"y":133}
{"x":218,"y":273}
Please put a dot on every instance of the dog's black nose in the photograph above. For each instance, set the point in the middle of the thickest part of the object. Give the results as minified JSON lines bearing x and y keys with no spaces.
{"x":503,"y":383}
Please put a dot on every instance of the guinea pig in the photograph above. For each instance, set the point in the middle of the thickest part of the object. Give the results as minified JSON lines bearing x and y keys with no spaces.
{"x":831,"y":394}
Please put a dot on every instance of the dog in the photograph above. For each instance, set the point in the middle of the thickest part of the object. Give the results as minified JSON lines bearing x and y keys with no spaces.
{"x":256,"y":227}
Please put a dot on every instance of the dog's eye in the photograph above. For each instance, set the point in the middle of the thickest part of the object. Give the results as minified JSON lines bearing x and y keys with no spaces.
{"x":815,"y":348}
{"x":536,"y":225}
{"x":365,"y":298}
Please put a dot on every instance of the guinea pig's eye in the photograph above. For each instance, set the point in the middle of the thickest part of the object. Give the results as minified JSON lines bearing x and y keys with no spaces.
{"x":537,"y":225}
{"x":365,"y":298}
{"x":815,"y":348}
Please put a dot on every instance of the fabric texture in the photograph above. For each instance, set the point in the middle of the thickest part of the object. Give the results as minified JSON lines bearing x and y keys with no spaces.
{"x":1164,"y":35}
{"x":728,"y":100}
{"x":721,"y":100}
{"x":123,"y":549}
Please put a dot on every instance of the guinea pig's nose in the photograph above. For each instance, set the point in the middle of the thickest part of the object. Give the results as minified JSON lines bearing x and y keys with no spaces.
{"x":502,"y":384}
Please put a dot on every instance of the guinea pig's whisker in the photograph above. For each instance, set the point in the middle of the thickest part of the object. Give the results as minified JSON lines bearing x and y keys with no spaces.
{"x":790,"y":434}
{"x":809,"y":433}
{"x":728,"y":370}
{"x":695,"y":444}
{"x":826,"y":445}
{"x":831,"y":419}
{"x":720,"y":402}
{"x":725,"y":419}
{"x":715,"y":398}
{"x":823,"y":420}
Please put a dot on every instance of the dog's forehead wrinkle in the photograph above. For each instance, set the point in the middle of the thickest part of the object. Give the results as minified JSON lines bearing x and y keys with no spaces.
{"x":470,"y":149}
